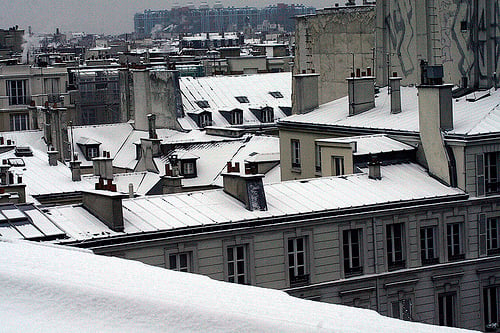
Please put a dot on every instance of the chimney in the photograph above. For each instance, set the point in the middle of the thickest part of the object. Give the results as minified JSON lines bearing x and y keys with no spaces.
{"x":52,"y":157}
{"x":172,"y":181}
{"x":361,"y":91}
{"x":305,"y":93}
{"x":247,"y":188}
{"x":435,"y":110}
{"x":374,"y":170}
{"x":395,"y":89}
{"x":76,"y":172}
{"x":106,"y":206}
{"x":152,"y":126}
{"x":103,"y":168}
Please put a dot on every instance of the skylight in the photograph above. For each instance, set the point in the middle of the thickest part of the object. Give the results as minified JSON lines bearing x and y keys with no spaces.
{"x":276,"y":94}
{"x":203,"y":104}
{"x":242,"y":99}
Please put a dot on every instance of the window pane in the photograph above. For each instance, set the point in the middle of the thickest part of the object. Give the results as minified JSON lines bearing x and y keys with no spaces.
{"x":173,"y":261}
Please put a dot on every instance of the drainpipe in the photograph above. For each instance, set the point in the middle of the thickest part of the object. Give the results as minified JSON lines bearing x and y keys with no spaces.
{"x":375,"y":258}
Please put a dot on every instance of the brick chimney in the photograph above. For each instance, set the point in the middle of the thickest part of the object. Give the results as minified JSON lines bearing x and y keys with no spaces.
{"x":103,"y":168}
{"x":53,"y":154}
{"x":247,"y":188}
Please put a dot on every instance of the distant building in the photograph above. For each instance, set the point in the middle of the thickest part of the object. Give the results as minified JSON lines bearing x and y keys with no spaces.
{"x":11,"y":42}
{"x":216,"y":19}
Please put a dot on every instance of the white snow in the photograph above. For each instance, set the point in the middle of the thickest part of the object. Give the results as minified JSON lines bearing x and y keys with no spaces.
{"x":55,"y":289}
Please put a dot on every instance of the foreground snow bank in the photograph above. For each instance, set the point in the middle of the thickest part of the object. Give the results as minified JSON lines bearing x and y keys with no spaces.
{"x":46,"y":288}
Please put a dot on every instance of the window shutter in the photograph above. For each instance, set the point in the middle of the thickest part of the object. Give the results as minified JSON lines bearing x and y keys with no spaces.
{"x":480,"y":174}
{"x":482,"y":235}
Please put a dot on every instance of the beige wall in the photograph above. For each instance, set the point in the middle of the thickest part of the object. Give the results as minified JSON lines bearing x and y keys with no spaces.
{"x":333,"y":35}
{"x":307,"y":153}
{"x":340,"y":149}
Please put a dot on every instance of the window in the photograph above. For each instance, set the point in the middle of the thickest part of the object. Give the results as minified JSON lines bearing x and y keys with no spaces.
{"x":188,"y":168}
{"x":242,"y":99}
{"x":205,"y":119}
{"x":203,"y":104}
{"x":237,"y":270}
{"x":402,"y":309}
{"x":351,"y":245}
{"x":337,"y":165}
{"x":491,"y":308}
{"x":267,"y":115}
{"x":454,"y":238}
{"x":446,"y":309}
{"x":428,"y":246}
{"x":463,"y":26}
{"x":491,"y":170}
{"x":92,"y":152}
{"x":395,"y":246}
{"x":297,"y":263}
{"x":237,"y":117}
{"x":16,"y":90}
{"x":295,"y":144}
{"x":19,"y":122}
{"x":493,"y":236}
{"x":180,"y":262}
{"x":276,"y":94}
{"x":52,"y":90}
{"x":317,"y":154}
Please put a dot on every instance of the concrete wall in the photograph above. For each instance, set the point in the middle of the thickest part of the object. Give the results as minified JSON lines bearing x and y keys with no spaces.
{"x":377,"y":287}
{"x":432,"y":30}
{"x":156,"y":92}
{"x":328,"y":40}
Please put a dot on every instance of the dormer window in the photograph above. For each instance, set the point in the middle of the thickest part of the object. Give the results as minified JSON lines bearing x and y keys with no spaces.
{"x":186,"y":162}
{"x":205,"y":119}
{"x":89,"y":148}
{"x":188,"y":168}
{"x":276,"y":94}
{"x":242,"y":99}
{"x":264,"y":114}
{"x":203,"y":104}
{"x":236,"y":117}
{"x":267,"y":115}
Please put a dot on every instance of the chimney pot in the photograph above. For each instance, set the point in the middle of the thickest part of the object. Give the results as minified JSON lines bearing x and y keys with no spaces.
{"x":248,"y":189}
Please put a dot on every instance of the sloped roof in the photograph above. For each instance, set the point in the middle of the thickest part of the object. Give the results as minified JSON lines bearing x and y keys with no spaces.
{"x":399,"y":183}
{"x":52,"y":288}
{"x":469,"y":117}
{"x":221,"y":91}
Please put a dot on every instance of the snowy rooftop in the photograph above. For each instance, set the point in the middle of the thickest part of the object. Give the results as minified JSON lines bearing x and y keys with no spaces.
{"x":56,"y":289}
{"x":481,"y":116}
{"x":220,"y":93}
{"x":371,"y":144}
{"x":168,"y":212}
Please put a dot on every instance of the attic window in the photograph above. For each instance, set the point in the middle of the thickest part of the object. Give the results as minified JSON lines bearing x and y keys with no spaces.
{"x":92,"y":152}
{"x":205,"y":119}
{"x":203,"y":104}
{"x":242,"y":99}
{"x":267,"y":115}
{"x":236,"y":117}
{"x":15,"y":162}
{"x":276,"y":94}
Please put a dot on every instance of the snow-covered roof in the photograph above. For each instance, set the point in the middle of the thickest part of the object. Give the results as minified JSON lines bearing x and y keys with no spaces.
{"x":399,"y":183}
{"x":27,"y":222}
{"x":59,"y":289}
{"x":221,"y":91}
{"x":371,"y":144}
{"x":481,"y":116}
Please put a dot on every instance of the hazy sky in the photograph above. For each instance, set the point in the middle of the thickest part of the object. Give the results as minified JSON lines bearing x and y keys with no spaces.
{"x":101,"y":16}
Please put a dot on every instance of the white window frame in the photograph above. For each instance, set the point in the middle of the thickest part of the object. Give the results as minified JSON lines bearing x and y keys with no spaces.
{"x":185,"y":268}
{"x":317,"y":155}
{"x":295,"y":153}
{"x":178,"y":249}
{"x":249,"y":266}
{"x":309,"y":259}
{"x":267,"y":115}
{"x":188,"y":168}
{"x":428,"y":234}
{"x":205,"y":119}
{"x":338,"y":168}
{"x":19,"y":121}
{"x":454,"y":247}
{"x":17,"y":90}
{"x":443,"y":319}
{"x":492,"y":172}
{"x":92,"y":152}
{"x":347,"y":235}
{"x":493,"y":235}
{"x":236,"y":117}
{"x":393,"y":262}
